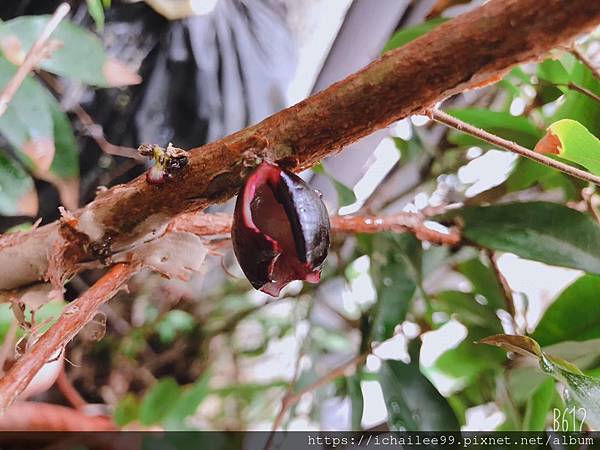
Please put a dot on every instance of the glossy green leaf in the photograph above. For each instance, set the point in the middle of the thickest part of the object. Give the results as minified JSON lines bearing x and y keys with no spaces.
{"x":572,"y":141}
{"x":81,"y":56}
{"x":528,"y":173}
{"x":18,"y":196}
{"x":484,"y":282}
{"x":577,"y":106}
{"x":394,"y":274}
{"x":574,"y":315}
{"x":466,"y":361}
{"x":413,"y":403}
{"x":466,"y":309}
{"x":407,"y":34}
{"x":159,"y":401}
{"x":580,"y":389}
{"x":541,"y":231}
{"x":515,"y":128}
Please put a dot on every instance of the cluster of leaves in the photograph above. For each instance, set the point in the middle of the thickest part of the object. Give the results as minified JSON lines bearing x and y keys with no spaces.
{"x":551,"y":233}
{"x":39,"y":133}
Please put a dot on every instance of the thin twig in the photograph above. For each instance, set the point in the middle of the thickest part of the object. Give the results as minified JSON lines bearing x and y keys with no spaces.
{"x":415,"y":223}
{"x":452,"y":122}
{"x":92,"y":128}
{"x":68,"y":390}
{"x":290,"y":400}
{"x":96,"y":132}
{"x":507,"y":293}
{"x":581,"y":56}
{"x":36,"y":53}
{"x":72,"y":320}
{"x":290,"y":389}
{"x":574,"y":87}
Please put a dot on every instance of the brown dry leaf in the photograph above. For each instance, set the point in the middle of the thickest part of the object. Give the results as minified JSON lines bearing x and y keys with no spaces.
{"x":118,"y":74}
{"x":549,"y":145}
{"x":41,"y":152}
{"x":95,"y":329}
{"x":12,"y":49}
{"x":522,"y":345}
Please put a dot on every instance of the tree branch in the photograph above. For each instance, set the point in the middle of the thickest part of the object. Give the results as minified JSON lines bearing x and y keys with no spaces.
{"x":581,"y":56}
{"x":463,"y":53}
{"x":453,"y":122}
{"x":71,"y":321}
{"x":415,"y":223}
{"x":39,"y":50}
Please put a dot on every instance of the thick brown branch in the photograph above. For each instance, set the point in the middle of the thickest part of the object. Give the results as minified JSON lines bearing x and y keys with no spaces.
{"x":71,"y":321}
{"x":460,"y":54}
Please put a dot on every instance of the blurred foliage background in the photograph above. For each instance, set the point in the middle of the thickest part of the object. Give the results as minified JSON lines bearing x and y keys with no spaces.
{"x":212,"y":353}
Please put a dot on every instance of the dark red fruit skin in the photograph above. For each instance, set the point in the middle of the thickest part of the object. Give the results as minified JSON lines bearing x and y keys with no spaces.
{"x":257,"y":252}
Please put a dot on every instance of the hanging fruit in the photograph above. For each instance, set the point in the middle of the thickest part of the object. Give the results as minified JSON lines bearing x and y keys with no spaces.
{"x":280,"y":229}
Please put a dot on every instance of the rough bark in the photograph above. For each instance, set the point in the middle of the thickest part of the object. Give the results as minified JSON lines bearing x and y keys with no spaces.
{"x":461,"y":54}
{"x":71,"y":321}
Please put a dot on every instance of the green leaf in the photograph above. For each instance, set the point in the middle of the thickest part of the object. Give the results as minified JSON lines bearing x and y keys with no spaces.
{"x":407,"y":34}
{"x":529,"y":173}
{"x":96,"y":10}
{"x":538,"y":406}
{"x":546,"y":232}
{"x":174,"y":322}
{"x":394,"y":275}
{"x":552,"y":71}
{"x":466,"y":309}
{"x":515,"y":128}
{"x":577,"y":106}
{"x":484,"y":281}
{"x":574,"y":315}
{"x":18,"y":196}
{"x":468,"y":360}
{"x":159,"y":401}
{"x":81,"y":56}
{"x":580,"y":389}
{"x":413,"y":403}
{"x":127,"y":410}
{"x":27,"y":123}
{"x":572,"y":141}
{"x":65,"y":164}
{"x":188,"y":401}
